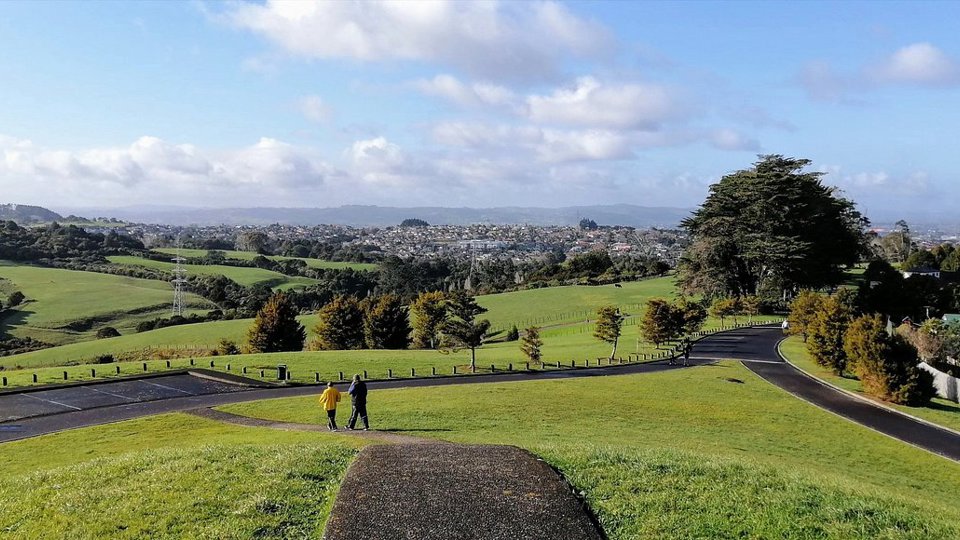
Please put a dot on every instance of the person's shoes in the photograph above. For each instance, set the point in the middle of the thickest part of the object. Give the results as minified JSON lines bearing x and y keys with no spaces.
{"x":348,"y":428}
{"x":366,"y":429}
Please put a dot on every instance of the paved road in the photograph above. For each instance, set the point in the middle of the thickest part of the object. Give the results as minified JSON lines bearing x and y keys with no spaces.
{"x":27,"y":427}
{"x":757,"y":348}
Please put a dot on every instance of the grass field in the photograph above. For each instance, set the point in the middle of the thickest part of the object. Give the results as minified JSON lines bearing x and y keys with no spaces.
{"x":66,"y":306}
{"x":939,"y":411}
{"x":711,"y":452}
{"x":242,"y":275}
{"x":249,"y":256}
{"x":171,"y":476}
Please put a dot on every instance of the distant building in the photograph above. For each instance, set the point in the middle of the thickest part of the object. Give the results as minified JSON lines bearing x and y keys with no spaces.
{"x":922,"y":271}
{"x":951,"y":317}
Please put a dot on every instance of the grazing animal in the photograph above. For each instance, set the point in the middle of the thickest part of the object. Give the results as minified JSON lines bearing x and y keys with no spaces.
{"x":617,"y":285}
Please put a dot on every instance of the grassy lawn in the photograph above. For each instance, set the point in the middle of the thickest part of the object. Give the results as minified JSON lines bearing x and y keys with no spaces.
{"x":249,"y":256}
{"x":939,"y":411}
{"x":712,"y":452}
{"x":66,"y":306}
{"x":171,"y":476}
{"x":242,"y":275}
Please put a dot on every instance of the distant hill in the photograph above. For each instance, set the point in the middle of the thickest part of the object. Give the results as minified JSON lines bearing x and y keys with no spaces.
{"x":381,"y":216}
{"x":23,"y":213}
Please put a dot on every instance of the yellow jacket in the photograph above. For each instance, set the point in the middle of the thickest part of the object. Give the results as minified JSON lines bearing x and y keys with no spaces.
{"x":329,"y":399}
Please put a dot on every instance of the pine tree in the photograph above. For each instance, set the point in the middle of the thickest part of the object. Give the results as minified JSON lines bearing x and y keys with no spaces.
{"x":340,"y":325}
{"x":276,"y":328}
{"x":609,"y":326}
{"x":827,"y":333}
{"x":387,"y":325}
{"x":429,"y":314}
{"x":530,"y":344}
{"x":462,"y":329}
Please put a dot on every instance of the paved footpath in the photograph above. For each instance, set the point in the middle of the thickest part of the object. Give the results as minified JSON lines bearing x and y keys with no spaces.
{"x":455,"y":491}
{"x":757,"y":349}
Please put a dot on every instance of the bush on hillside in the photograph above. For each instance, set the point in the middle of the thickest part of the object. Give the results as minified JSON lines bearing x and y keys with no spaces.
{"x":886,"y":365}
{"x":107,"y":332}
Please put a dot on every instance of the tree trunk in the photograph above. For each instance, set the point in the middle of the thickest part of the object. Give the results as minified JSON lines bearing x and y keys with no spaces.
{"x":473,"y":360}
{"x":614,"y":351}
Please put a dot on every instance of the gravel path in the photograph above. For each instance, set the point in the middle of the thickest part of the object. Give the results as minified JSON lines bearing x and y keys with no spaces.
{"x":453,"y":491}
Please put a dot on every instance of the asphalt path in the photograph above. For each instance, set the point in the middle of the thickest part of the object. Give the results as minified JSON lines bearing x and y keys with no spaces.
{"x":757,"y":349}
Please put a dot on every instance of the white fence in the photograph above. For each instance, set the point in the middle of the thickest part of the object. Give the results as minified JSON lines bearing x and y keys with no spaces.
{"x":947,"y":387}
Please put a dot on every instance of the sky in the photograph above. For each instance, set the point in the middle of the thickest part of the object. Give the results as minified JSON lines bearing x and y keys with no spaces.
{"x":242,"y":104}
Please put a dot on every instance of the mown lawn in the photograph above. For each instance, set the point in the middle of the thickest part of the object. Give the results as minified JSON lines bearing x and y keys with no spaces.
{"x":242,"y":275}
{"x":171,"y":476}
{"x":710,"y":452}
{"x":939,"y":411}
{"x":65,"y":306}
{"x":249,"y":256}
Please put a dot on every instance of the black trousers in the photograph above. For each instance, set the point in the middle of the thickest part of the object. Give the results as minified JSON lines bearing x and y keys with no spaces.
{"x":332,"y":419}
{"x":359,"y":410}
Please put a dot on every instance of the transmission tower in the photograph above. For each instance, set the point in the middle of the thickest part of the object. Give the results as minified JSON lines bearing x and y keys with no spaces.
{"x":179,"y":280}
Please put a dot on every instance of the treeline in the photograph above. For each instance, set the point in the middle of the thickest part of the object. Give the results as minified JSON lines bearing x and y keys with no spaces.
{"x":57,"y":242}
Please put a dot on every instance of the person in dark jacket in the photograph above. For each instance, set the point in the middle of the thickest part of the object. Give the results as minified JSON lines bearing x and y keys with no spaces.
{"x":358,"y":398}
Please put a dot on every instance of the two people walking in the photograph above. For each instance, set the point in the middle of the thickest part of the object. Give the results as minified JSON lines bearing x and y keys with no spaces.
{"x":685,"y":346}
{"x":358,"y":399}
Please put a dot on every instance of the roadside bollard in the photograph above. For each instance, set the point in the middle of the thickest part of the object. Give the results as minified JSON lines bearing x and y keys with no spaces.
{"x":526,"y":366}
{"x":244,"y":370}
{"x":228,"y":367}
{"x":433,"y":371}
{"x":341,"y":375}
{"x":211,"y":363}
{"x":4,"y":381}
{"x":261,"y":373}
{"x":389,"y":373}
{"x":191,"y":361}
{"x":454,"y":370}
{"x":316,"y":377}
{"x":168,"y":364}
{"x":64,"y":375}
{"x":573,"y":363}
{"x":93,"y":373}
{"x":413,"y":372}
{"x":365,"y":375}
{"x":510,"y":367}
{"x":34,"y":377}
{"x":558,"y":364}
{"x":118,"y":370}
{"x":144,"y":366}
{"x":492,"y":368}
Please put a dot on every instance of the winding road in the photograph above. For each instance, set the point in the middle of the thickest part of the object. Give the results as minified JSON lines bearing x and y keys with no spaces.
{"x":756,"y":347}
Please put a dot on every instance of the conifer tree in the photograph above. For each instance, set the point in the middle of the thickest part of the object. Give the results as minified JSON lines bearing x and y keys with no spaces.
{"x":276,"y":328}
{"x":609,"y":326}
{"x":340,"y":325}
{"x":429,"y":313}
{"x":387,"y":324}
{"x":530,"y":344}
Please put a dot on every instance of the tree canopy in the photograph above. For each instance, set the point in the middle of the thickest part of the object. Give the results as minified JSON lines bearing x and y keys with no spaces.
{"x":276,"y":328}
{"x":768,"y":228}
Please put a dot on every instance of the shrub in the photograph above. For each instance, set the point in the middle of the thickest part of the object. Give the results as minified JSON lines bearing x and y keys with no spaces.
{"x":107,"y":332}
{"x":105,"y":359}
{"x":886,"y":365}
{"x":513,"y":334}
{"x":15,"y":298}
{"x":227,"y":348}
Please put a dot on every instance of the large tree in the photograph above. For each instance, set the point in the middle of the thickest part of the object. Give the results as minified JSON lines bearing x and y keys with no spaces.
{"x":462,"y":329}
{"x":386,"y":325}
{"x":429,"y":313}
{"x":771,"y":227}
{"x":530,"y":345}
{"x":276,"y":328}
{"x":659,"y":322}
{"x":340,"y":325}
{"x":827,"y":332}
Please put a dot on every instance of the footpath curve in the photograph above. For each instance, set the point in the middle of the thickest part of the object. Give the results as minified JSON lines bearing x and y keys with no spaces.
{"x":757,"y":348}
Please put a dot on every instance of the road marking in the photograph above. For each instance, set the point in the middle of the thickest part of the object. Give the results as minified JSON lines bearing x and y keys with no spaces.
{"x":168,"y":387}
{"x":110,"y":393}
{"x":761,"y":361}
{"x":54,"y":402}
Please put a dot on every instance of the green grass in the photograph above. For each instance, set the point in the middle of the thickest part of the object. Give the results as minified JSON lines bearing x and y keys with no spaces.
{"x":171,"y":476}
{"x":58,"y":298}
{"x":242,"y":275}
{"x":688,"y":454}
{"x":939,"y":411}
{"x":249,"y":256}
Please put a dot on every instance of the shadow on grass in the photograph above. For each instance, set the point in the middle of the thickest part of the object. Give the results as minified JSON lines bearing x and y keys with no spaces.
{"x":414,"y":430}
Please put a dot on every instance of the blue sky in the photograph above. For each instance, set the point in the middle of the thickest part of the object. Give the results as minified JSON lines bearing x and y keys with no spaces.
{"x":472,"y":103}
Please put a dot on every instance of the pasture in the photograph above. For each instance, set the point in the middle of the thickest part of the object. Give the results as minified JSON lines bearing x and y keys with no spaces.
{"x":66,"y":306}
{"x":248,"y":277}
{"x":249,"y":256}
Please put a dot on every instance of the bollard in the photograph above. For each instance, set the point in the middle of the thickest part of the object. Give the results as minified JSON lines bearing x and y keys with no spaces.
{"x":413,"y":372}
{"x":64,"y":375}
{"x":228,"y":367}
{"x":492,"y":368}
{"x":558,"y":364}
{"x":93,"y":373}
{"x":211,"y":363}
{"x":34,"y":377}
{"x":433,"y":371}
{"x":244,"y":370}
{"x":316,"y":377}
{"x":454,"y":370}
{"x":4,"y":381}
{"x":168,"y":364}
{"x":341,"y":375}
{"x":191,"y":361}
{"x":573,"y":363}
{"x":389,"y":373}
{"x":118,"y":370}
{"x":261,"y":373}
{"x":144,"y":366}
{"x":527,"y":366}
{"x":364,"y":374}
{"x":510,"y":367}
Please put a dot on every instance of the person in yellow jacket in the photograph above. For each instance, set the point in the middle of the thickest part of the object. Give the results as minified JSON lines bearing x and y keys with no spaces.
{"x":329,"y":399}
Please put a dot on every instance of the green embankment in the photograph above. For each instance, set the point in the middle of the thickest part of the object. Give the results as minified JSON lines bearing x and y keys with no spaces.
{"x":244,"y":276}
{"x":710,"y":452}
{"x":939,"y":411}
{"x":249,"y":256}
{"x":65,"y":306}
{"x":171,"y":476}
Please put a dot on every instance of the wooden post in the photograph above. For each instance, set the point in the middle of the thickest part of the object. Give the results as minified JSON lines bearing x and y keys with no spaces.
{"x":228,"y":367}
{"x":526,"y":366}
{"x":261,"y":373}
{"x":211,"y":363}
{"x":558,"y":364}
{"x":191,"y":361}
{"x":510,"y":366}
{"x":389,"y":373}
{"x":244,"y":370}
{"x":364,"y":374}
{"x":454,"y":370}
{"x":118,"y":369}
{"x":144,"y":366}
{"x":340,"y":373}
{"x":492,"y":368}
{"x":93,"y":373}
{"x":433,"y":371}
{"x":168,"y":364}
{"x":4,"y":381}
{"x":34,"y":377}
{"x":64,"y":375}
{"x":316,"y":376}
{"x":573,"y":363}
{"x":413,"y":372}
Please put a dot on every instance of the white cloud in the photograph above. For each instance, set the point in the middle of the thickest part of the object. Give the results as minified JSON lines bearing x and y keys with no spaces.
{"x":315,"y":109}
{"x":920,"y":63}
{"x":452,"y":89}
{"x":591,"y":103}
{"x":727,"y":139}
{"x":491,"y":39}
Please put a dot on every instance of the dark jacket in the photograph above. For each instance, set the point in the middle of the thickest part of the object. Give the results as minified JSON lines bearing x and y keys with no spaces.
{"x":358,"y":393}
